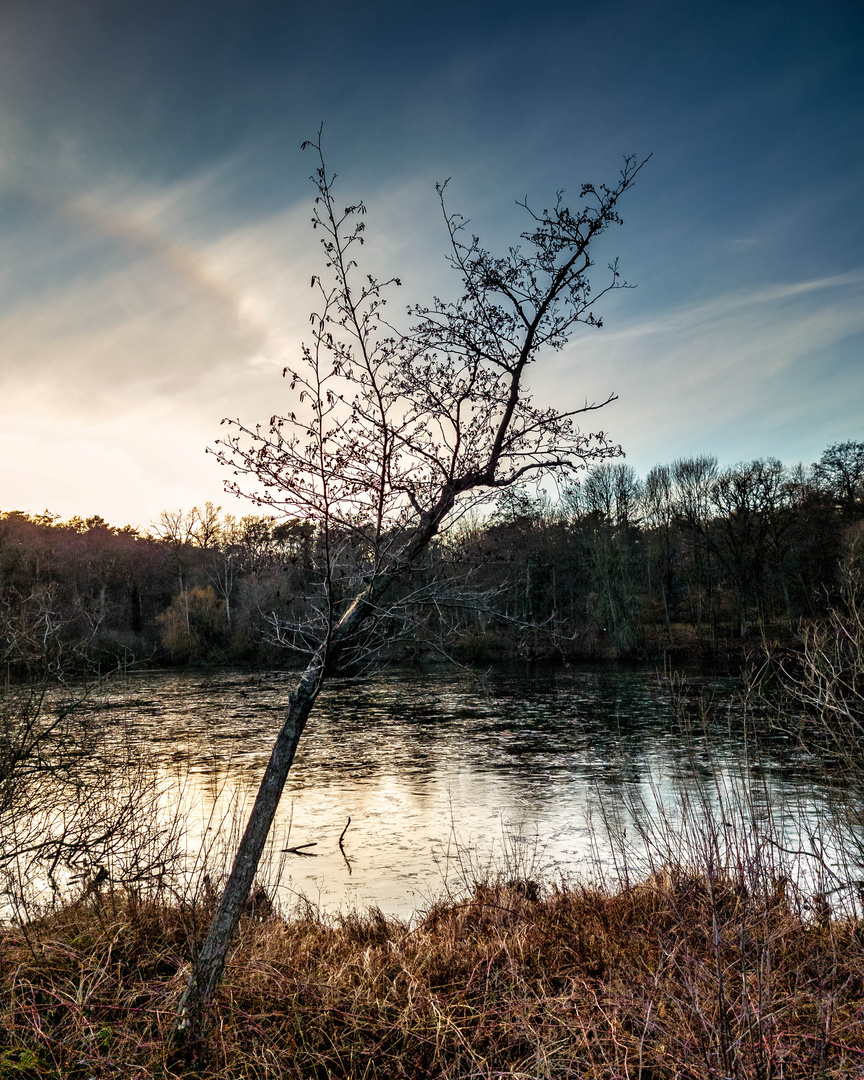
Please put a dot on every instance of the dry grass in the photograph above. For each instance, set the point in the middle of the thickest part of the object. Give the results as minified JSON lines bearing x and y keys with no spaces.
{"x":679,"y":977}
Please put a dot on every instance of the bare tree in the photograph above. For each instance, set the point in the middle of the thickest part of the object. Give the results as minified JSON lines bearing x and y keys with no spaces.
{"x":612,"y":492}
{"x":393,"y":434}
{"x":694,"y":479}
{"x":660,"y":514}
{"x":750,"y":501}
{"x":72,"y":801}
{"x":840,"y":470}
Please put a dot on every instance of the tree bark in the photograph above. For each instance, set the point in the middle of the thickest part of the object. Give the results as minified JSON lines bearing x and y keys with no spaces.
{"x":210,"y":962}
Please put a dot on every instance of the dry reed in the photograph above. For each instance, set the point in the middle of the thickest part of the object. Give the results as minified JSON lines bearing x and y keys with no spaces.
{"x":679,"y":977}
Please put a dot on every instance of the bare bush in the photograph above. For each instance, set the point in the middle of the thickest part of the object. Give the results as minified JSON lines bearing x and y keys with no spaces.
{"x":78,"y":810}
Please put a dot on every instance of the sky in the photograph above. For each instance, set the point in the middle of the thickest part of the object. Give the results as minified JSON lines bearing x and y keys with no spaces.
{"x":155,"y":240}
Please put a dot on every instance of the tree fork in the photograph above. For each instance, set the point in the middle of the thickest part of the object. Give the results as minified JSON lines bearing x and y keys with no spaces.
{"x":422,"y":419}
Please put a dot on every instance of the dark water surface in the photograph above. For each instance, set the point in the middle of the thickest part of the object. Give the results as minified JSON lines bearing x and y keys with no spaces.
{"x":440,"y":771}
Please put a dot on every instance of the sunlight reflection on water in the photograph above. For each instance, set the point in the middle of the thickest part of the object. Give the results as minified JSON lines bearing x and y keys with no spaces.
{"x":439,"y":771}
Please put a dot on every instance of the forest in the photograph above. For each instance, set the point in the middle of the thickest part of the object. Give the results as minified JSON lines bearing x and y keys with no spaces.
{"x":690,"y":560}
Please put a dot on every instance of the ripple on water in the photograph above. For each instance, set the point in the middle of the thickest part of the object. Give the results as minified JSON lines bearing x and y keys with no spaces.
{"x":439,"y":771}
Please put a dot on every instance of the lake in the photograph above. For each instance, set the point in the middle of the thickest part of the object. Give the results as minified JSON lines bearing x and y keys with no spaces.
{"x":443,"y":773}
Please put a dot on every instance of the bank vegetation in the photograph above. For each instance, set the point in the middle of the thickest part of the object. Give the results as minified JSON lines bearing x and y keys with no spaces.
{"x":691,"y":561}
{"x":722,"y":945}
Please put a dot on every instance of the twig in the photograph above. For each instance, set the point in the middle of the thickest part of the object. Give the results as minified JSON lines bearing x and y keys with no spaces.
{"x":298,"y":850}
{"x":342,"y":849}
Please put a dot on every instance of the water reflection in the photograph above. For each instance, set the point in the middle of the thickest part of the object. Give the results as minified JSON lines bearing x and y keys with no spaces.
{"x":433,"y":768}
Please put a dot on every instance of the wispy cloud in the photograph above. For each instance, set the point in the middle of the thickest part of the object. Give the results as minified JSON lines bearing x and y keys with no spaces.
{"x":729,"y":373}
{"x":135,"y":336}
{"x":160,"y":312}
{"x":143,"y":310}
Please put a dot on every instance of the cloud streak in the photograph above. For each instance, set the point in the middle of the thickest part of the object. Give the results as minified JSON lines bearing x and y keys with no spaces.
{"x":156,"y":259}
{"x":730,"y":374}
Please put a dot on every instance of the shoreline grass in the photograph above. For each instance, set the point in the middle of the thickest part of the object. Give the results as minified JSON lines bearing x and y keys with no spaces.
{"x":681,"y":977}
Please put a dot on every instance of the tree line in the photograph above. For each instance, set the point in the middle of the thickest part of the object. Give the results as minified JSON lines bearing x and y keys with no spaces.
{"x":690,"y":557}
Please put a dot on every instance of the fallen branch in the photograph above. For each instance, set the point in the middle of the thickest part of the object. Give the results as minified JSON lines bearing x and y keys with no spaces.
{"x":299,"y":850}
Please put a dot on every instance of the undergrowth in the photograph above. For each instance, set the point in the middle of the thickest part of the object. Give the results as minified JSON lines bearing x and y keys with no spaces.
{"x":679,"y":977}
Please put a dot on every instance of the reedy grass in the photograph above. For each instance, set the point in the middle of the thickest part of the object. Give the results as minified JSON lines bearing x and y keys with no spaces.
{"x":680,"y":976}
{"x":721,"y":946}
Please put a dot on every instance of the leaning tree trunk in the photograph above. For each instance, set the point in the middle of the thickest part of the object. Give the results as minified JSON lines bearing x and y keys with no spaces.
{"x":208,"y":966}
{"x":210,"y":962}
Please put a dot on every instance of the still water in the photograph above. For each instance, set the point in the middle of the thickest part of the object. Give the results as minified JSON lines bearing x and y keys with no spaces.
{"x":443,"y":773}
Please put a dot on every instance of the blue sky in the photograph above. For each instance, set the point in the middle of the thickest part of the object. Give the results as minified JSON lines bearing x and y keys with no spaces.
{"x":155,"y":249}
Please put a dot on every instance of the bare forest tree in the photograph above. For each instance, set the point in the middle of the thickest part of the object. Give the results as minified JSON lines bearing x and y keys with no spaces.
{"x":840,"y":470}
{"x":392,"y":434}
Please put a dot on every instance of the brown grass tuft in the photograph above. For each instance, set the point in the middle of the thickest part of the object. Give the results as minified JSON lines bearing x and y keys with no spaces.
{"x":679,"y":977}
